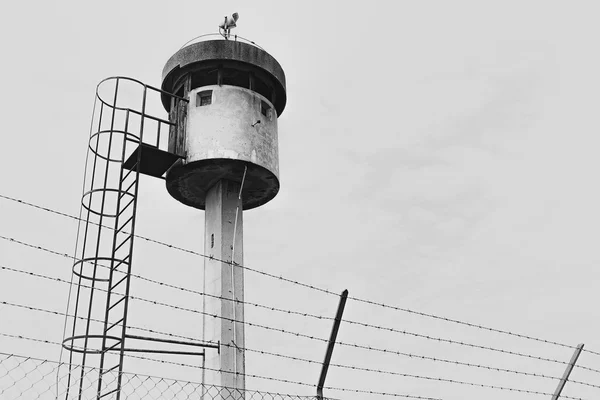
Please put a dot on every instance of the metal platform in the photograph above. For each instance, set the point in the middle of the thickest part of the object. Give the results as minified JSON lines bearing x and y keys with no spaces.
{"x":153,"y":161}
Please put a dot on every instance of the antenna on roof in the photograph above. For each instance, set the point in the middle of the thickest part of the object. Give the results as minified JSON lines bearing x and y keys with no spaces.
{"x":228,"y":23}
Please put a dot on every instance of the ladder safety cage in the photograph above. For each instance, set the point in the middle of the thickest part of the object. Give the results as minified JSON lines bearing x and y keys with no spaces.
{"x":126,"y":140}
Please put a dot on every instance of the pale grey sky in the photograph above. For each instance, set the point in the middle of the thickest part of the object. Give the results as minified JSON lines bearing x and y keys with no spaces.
{"x":434,"y":155}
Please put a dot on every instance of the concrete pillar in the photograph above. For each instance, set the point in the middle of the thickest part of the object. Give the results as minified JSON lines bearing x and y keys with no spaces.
{"x":220,"y":223}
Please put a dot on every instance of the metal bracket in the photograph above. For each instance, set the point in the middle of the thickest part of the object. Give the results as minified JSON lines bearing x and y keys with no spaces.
{"x":169,"y":341}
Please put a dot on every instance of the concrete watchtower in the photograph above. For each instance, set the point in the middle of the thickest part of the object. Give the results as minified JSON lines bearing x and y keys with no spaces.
{"x":227,"y":139}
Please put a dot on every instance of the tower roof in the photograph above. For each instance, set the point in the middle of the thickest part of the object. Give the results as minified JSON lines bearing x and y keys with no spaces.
{"x":199,"y":54}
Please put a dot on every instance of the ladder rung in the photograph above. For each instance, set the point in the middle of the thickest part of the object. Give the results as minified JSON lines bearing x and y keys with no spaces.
{"x":123,"y":261}
{"x":111,"y":392}
{"x":114,"y":305}
{"x":122,"y":243}
{"x":127,"y":174}
{"x":113,"y":368}
{"x":125,"y":208}
{"x":113,"y":325}
{"x":125,"y":224}
{"x":127,"y":190}
{"x":112,"y":347}
{"x":118,"y":283}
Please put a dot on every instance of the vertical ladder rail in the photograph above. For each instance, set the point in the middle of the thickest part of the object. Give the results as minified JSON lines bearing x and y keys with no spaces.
{"x":110,"y":288}
{"x":127,"y":284}
{"x":83,"y":247}
{"x":98,"y":239}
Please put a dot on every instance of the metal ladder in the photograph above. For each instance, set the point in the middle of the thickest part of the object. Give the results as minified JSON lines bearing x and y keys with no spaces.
{"x":115,"y":321}
{"x":108,"y":234}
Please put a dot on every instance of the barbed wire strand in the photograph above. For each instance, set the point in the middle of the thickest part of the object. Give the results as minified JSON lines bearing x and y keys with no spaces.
{"x":288,"y":381}
{"x":351,"y":322}
{"x":312,"y":385}
{"x":316,"y":338}
{"x":351,"y":367}
{"x":404,"y":332}
{"x":312,"y":287}
{"x":137,"y":328}
{"x":408,"y":396}
{"x":60,"y":363}
{"x":386,"y":372}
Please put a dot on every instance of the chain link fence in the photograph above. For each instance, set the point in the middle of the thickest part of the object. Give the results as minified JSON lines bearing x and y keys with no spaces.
{"x":29,"y":378}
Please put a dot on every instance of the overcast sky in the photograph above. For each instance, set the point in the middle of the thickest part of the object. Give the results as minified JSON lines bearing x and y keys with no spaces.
{"x":439,"y":156}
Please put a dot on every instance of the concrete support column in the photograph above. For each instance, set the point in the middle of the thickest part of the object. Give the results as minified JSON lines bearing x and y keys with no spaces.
{"x":224,"y":280}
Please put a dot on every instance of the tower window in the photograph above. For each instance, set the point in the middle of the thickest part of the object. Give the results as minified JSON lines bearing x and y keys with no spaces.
{"x":204,"y":98}
{"x":265,"y":109}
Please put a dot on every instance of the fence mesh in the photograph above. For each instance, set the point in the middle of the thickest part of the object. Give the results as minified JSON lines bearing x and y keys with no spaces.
{"x":36,"y":379}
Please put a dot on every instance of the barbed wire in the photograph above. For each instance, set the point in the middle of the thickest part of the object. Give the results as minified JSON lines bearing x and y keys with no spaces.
{"x":168,"y":245}
{"x":269,"y":378}
{"x":312,"y":287}
{"x":386,"y":372}
{"x":287,"y":381}
{"x":137,"y":328}
{"x":23,"y":359}
{"x":351,"y":322}
{"x":354,"y":345}
{"x":304,"y":335}
{"x":350,"y":367}
{"x":404,"y":332}
{"x":299,"y":334}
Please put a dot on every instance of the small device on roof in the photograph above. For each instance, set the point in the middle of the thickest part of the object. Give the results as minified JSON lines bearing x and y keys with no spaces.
{"x":228,"y":23}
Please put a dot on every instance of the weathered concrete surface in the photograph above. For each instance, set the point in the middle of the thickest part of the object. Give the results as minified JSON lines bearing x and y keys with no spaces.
{"x":221,"y":204}
{"x":223,"y":137}
{"x":193,"y":56}
{"x":224,"y":129}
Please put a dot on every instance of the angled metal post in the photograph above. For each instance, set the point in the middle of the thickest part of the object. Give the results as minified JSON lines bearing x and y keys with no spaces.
{"x":565,"y":376}
{"x":332,"y":338}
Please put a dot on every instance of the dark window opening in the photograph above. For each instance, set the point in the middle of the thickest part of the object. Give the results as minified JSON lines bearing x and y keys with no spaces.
{"x":234,"y":77}
{"x":204,"y":98}
{"x":237,"y":75}
{"x":204,"y":78}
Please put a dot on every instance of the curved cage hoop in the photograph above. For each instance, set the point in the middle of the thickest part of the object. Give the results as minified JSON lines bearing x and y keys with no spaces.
{"x":96,"y":138}
{"x":104,"y":263}
{"x":85,"y":348}
{"x":102,"y":212}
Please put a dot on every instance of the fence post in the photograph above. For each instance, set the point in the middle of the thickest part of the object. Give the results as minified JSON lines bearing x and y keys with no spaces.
{"x":332,"y":338}
{"x":565,"y":376}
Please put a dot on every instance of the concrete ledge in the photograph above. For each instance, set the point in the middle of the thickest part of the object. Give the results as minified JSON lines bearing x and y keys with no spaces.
{"x":190,"y":183}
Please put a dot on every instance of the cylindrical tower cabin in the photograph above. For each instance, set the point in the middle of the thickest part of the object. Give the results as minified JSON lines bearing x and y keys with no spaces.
{"x":236,"y":92}
{"x":230,"y":162}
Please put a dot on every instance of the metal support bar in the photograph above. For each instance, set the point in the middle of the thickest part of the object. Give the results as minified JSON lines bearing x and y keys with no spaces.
{"x":565,"y":377}
{"x":152,"y":339}
{"x":153,"y":351}
{"x":332,"y":338}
